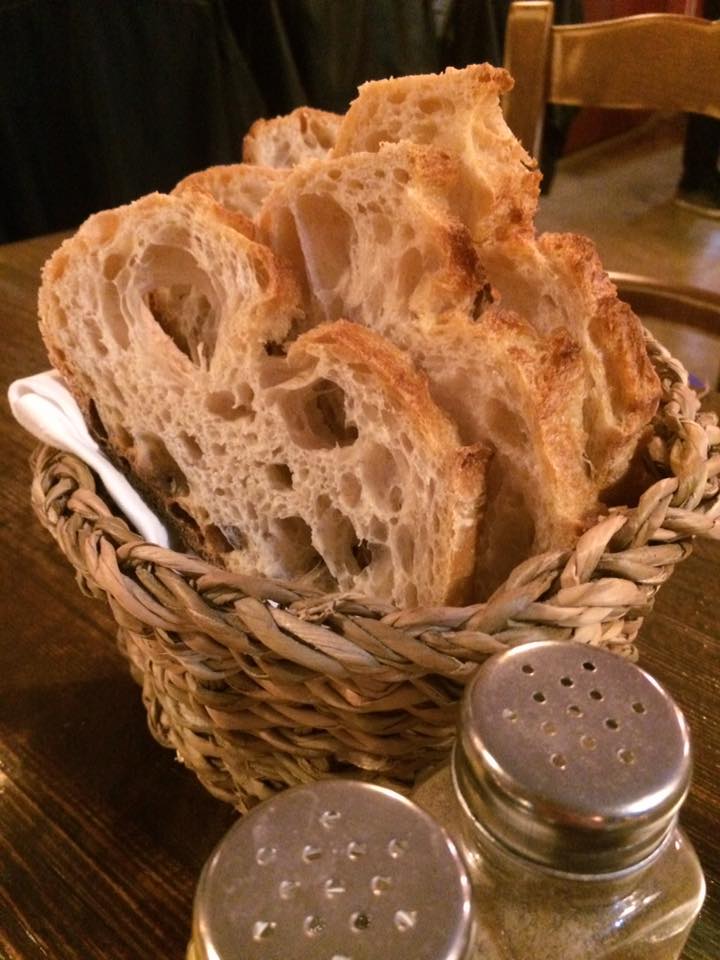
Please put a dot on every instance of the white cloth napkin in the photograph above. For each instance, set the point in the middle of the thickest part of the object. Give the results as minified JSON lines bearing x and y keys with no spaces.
{"x":44,"y":406}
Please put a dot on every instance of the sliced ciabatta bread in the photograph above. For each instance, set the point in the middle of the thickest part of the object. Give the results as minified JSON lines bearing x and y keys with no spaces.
{"x":372,"y":238}
{"x":558,"y":281}
{"x":458,"y":111}
{"x":331,"y":461}
{"x":291,"y":139}
{"x":241,"y":187}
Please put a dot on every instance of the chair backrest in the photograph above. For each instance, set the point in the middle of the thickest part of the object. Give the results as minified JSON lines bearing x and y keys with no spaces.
{"x":654,"y":61}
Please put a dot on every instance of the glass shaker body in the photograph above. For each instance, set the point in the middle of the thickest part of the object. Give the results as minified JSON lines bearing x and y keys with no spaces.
{"x":590,"y":866}
{"x":530,"y":912}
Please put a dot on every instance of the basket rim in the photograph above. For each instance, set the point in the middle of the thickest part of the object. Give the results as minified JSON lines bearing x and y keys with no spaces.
{"x":258,"y":684}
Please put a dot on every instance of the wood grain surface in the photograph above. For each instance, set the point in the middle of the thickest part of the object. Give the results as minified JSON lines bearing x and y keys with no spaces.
{"x":102,"y":832}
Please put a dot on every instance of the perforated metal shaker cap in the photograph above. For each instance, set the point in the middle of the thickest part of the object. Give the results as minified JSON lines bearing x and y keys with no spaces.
{"x":571,"y":756}
{"x":336,"y":870}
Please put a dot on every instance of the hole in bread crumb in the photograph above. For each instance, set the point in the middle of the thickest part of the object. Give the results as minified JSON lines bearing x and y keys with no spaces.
{"x":293,"y":540}
{"x":113,"y":264}
{"x":396,"y":96}
{"x":402,"y":176}
{"x":378,"y":530}
{"x":321,"y":133}
{"x":424,"y":132}
{"x":405,"y":548}
{"x":186,"y":316}
{"x":279,"y":476}
{"x":224,"y":538}
{"x":192,"y":447}
{"x":350,"y":490}
{"x":97,"y":427}
{"x":231,"y":405}
{"x":362,"y":552}
{"x":156,"y":465}
{"x":382,"y":228}
{"x":179,"y":297}
{"x":378,"y":471}
{"x":433,"y":104}
{"x":122,"y":438}
{"x":316,"y":417}
{"x":115,"y":321}
{"x":409,"y":272}
{"x":96,"y":339}
{"x":273,"y":349}
{"x":395,"y":499}
{"x":189,"y":523}
{"x":326,"y":233}
{"x":504,"y":422}
{"x":342,"y":548}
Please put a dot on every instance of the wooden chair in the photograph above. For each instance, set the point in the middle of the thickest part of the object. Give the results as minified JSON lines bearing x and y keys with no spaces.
{"x":667,"y":62}
{"x":654,"y":61}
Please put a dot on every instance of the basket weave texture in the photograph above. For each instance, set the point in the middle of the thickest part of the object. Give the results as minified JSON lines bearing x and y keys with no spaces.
{"x":257,"y":684}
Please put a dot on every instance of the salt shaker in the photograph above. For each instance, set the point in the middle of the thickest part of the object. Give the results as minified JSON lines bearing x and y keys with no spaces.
{"x":335,"y":870}
{"x":568,"y":772}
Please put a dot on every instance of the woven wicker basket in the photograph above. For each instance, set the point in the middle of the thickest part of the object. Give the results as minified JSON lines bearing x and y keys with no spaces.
{"x":258,"y":685}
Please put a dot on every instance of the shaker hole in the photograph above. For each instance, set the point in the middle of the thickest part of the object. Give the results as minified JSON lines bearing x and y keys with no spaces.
{"x":574,"y":710}
{"x":567,"y":681}
{"x":638,"y":707}
{"x":558,"y":760}
{"x":262,"y":929}
{"x":334,"y":888}
{"x":380,"y":885}
{"x":405,"y":920}
{"x":509,"y":714}
{"x":313,"y":925}
{"x":528,"y":668}
{"x":589,"y":665}
{"x":626,"y":756}
{"x":355,"y":850}
{"x":612,"y":724}
{"x":328,"y":818}
{"x":265,"y":855}
{"x":588,"y":743}
{"x":396,"y":848}
{"x":359,"y":922}
{"x":311,"y":853}
{"x":596,"y":695}
{"x":548,"y":727}
{"x":539,"y":696}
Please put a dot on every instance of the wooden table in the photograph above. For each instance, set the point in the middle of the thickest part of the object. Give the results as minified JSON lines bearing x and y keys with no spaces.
{"x":102,"y":833}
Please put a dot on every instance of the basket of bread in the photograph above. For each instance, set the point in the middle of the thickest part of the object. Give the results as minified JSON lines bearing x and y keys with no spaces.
{"x":393,"y":429}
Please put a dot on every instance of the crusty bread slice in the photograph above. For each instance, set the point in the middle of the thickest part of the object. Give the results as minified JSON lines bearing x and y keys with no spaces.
{"x":458,"y":111}
{"x":240,"y":187}
{"x":372,"y":238}
{"x":286,"y":141}
{"x":332,"y":460}
{"x":558,"y":281}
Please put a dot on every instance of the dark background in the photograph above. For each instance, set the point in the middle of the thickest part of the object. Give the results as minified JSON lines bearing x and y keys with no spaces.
{"x":102,"y":101}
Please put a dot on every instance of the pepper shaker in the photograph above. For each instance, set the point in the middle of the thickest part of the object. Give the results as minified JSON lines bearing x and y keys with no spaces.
{"x":568,"y":772}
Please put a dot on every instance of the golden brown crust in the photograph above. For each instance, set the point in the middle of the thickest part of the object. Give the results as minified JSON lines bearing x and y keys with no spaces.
{"x":624,"y":372}
{"x":457,"y":111}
